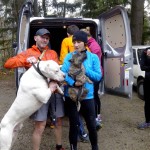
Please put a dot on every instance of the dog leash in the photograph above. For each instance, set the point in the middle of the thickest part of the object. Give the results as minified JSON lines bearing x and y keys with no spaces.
{"x":37,"y":68}
{"x":41,"y":56}
{"x":78,"y":98}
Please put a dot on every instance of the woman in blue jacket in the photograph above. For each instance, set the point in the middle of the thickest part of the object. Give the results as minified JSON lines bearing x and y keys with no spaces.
{"x":91,"y":67}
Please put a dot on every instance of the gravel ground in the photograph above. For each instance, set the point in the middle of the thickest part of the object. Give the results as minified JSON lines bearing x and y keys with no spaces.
{"x":120,"y":118}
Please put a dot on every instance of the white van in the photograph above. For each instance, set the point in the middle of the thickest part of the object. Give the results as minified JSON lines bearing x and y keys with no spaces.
{"x":138,"y":74}
{"x":111,"y":30}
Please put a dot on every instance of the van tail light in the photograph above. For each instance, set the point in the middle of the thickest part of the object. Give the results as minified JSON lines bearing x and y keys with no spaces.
{"x":125,"y":82}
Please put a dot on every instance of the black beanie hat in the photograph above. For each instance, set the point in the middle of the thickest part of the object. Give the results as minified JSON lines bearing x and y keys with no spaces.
{"x":80,"y":36}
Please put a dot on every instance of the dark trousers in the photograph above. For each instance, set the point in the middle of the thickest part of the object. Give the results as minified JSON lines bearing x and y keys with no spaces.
{"x":147,"y":99}
{"x":97,"y":99}
{"x":88,"y":112}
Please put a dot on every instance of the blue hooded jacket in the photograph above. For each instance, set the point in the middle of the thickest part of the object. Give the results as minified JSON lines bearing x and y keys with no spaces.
{"x":92,"y":71}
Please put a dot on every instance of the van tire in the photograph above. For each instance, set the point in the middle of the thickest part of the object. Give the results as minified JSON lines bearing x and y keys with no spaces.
{"x":140,"y":89}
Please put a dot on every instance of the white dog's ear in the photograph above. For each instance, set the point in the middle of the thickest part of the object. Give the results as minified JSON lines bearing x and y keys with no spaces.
{"x":60,"y":66}
{"x":47,"y":67}
{"x":44,"y":67}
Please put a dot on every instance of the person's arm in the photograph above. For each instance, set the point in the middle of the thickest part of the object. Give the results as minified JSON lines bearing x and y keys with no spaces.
{"x":95,"y":48}
{"x":94,"y":72}
{"x":19,"y":60}
{"x":143,"y":63}
{"x":63,"y":51}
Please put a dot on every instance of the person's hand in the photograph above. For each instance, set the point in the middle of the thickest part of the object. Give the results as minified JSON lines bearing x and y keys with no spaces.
{"x":31,"y":59}
{"x":53,"y":86}
{"x":148,"y":52}
{"x":77,"y":83}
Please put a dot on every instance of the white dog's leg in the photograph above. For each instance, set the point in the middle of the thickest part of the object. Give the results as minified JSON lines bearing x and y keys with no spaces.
{"x":6,"y":134}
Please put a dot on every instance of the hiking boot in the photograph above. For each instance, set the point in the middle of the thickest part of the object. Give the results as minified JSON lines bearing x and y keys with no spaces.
{"x":143,"y":125}
{"x":83,"y":138}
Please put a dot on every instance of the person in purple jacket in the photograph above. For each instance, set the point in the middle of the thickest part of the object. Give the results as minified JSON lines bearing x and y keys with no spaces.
{"x":96,"y":49}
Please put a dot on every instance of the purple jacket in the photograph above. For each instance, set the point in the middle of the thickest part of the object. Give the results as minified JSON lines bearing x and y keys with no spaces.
{"x":95,"y":48}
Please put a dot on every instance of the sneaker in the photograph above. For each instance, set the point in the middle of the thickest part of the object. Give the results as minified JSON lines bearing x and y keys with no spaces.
{"x":60,"y":148}
{"x":98,"y":125}
{"x":143,"y":125}
{"x":98,"y":122}
{"x":99,"y":118}
{"x":83,"y":138}
{"x":52,"y":126}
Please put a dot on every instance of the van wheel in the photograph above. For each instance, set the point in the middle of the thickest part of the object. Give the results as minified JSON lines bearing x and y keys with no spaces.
{"x":140,"y":90}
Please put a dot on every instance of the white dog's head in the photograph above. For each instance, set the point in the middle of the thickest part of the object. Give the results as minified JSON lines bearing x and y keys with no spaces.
{"x":51,"y":70}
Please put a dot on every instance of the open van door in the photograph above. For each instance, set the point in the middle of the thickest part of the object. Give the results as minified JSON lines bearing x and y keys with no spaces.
{"x":22,"y":34}
{"x":118,"y":57}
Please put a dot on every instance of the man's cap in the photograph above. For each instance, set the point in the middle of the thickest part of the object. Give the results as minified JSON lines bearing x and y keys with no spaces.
{"x":80,"y":36}
{"x":42,"y":31}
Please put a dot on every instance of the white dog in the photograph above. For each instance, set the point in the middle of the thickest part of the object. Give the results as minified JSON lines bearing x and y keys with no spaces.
{"x":32,"y":93}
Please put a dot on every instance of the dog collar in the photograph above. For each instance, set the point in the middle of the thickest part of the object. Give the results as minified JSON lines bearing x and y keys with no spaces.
{"x":38,"y":70}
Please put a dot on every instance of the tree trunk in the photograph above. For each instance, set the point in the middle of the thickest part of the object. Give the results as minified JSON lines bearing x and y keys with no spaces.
{"x":137,"y":21}
{"x":35,"y":8}
{"x":44,"y":7}
{"x":64,"y":12}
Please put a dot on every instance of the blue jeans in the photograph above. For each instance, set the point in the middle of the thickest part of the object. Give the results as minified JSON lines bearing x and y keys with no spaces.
{"x":81,"y":126}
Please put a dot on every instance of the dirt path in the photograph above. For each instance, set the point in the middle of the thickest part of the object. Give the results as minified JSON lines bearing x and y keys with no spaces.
{"x":120,"y":118}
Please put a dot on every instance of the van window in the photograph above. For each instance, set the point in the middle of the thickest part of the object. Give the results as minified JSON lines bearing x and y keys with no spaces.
{"x":134,"y":57}
{"x":139,"y":53}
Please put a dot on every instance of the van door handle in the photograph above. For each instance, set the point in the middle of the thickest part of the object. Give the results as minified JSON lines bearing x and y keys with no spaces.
{"x":105,"y":54}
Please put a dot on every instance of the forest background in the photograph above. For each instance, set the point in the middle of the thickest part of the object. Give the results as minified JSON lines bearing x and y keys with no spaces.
{"x":138,"y":13}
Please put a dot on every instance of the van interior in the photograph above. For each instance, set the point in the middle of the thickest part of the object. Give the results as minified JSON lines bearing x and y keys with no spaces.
{"x":58,"y":30}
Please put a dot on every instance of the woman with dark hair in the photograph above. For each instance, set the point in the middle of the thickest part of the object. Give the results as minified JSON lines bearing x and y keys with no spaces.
{"x":78,"y":103}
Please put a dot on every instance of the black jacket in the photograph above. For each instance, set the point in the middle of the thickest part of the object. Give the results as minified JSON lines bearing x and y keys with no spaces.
{"x":145,"y":63}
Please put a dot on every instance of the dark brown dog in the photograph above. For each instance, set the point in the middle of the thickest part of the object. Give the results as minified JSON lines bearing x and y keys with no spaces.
{"x":77,"y":72}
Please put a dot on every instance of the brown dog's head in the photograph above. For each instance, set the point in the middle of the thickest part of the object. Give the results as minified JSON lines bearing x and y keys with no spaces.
{"x":78,"y":58}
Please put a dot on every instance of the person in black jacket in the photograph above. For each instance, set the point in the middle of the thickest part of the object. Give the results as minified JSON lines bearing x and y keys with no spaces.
{"x":145,"y":66}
